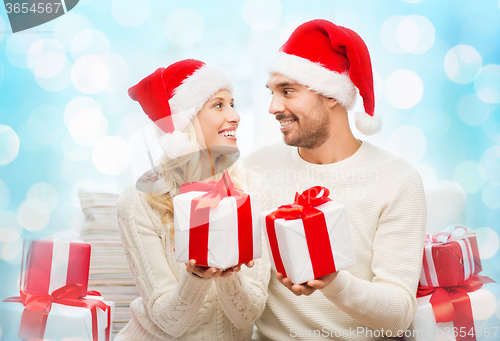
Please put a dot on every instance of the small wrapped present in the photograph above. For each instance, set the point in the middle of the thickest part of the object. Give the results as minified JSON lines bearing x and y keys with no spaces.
{"x":310,"y":238}
{"x":216,"y":224}
{"x":51,"y":264}
{"x":64,"y":315}
{"x":463,"y":313}
{"x":450,"y":258}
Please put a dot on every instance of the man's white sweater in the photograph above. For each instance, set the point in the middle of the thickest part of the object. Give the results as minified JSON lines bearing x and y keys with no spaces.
{"x":386,"y":210}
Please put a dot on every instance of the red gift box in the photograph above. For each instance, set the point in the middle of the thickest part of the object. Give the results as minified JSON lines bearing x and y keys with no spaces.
{"x":51,"y":264}
{"x":450,"y":258}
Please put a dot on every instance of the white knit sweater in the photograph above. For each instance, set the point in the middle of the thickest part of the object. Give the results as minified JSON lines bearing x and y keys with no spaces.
{"x":386,"y":210}
{"x":174,"y":304}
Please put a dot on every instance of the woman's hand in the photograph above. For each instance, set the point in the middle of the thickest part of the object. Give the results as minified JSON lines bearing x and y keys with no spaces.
{"x":209,"y":272}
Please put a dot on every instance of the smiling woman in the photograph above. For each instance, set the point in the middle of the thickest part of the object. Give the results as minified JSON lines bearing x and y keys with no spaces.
{"x":193,"y":108}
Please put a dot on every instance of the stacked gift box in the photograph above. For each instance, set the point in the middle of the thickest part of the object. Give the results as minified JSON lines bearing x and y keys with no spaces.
{"x":454,"y":301}
{"x":109,"y":271}
{"x":54,"y":301}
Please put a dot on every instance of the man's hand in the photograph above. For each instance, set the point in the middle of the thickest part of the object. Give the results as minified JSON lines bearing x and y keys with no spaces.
{"x":309,"y":287}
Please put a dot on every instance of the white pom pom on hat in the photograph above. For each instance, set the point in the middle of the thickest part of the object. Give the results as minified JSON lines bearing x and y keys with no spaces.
{"x":333,"y":61}
{"x":173,"y":96}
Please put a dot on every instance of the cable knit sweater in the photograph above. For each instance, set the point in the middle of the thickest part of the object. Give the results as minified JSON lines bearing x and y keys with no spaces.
{"x":174,"y":304}
{"x":386,"y":210}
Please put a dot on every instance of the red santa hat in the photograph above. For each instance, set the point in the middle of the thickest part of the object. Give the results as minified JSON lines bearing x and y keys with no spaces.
{"x":173,"y":96}
{"x":333,"y":61}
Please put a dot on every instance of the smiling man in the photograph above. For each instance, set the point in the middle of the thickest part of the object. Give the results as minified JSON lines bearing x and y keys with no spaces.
{"x":314,"y":81}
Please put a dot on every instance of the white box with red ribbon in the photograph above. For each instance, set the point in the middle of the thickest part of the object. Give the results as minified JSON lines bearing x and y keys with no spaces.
{"x":64,"y":315}
{"x":217,"y":224}
{"x":463,"y":313}
{"x":309,"y":238}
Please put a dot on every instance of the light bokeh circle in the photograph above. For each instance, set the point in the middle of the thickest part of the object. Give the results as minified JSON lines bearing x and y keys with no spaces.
{"x":130,"y":13}
{"x":388,"y":34}
{"x":9,"y":145}
{"x":68,"y":26}
{"x":111,"y":155}
{"x":468,"y":175}
{"x":490,"y":164}
{"x":415,"y":34}
{"x":45,"y":125}
{"x":88,"y":126}
{"x":18,"y":46}
{"x":184,"y":27}
{"x":262,"y":15}
{"x":403,"y":89}
{"x":43,"y":192}
{"x":491,"y":196}
{"x":487,"y":242}
{"x":90,"y":74}
{"x":10,"y":227}
{"x":472,"y":111}
{"x":462,"y":64}
{"x":34,"y":215}
{"x":4,"y":196}
{"x":10,"y":251}
{"x":90,"y":42}
{"x":59,"y":82}
{"x":118,"y":72}
{"x":408,"y":142}
{"x":47,"y":58}
{"x":487,"y":84}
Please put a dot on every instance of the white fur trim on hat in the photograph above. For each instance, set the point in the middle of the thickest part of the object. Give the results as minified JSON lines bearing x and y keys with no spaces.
{"x":367,"y":124}
{"x":175,"y":144}
{"x":318,"y":78}
{"x":194,"y":92}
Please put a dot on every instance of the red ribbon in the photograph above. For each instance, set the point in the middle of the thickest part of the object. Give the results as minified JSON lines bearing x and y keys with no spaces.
{"x":316,"y":232}
{"x":37,"y":309}
{"x":452,"y":304}
{"x":199,"y":219}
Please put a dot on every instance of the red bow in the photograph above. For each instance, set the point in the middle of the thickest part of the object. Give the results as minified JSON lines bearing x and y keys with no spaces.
{"x":200,"y":208}
{"x":452,"y":304}
{"x":37,"y":309}
{"x":318,"y":240}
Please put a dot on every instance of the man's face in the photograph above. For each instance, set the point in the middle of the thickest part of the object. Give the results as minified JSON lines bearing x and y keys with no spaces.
{"x":302,"y":113}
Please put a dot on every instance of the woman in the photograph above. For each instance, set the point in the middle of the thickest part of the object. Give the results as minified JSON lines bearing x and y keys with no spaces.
{"x":192,"y":105}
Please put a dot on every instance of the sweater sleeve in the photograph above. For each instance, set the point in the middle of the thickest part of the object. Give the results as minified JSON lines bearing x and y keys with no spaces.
{"x":172,"y":305}
{"x":388,"y":302}
{"x":243,"y":295}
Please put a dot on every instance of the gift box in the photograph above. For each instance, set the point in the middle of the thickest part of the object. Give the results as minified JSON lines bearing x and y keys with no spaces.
{"x":69,"y":318}
{"x":466,"y":313}
{"x":450,"y":258}
{"x":51,"y":264}
{"x":310,"y":238}
{"x":217,"y":224}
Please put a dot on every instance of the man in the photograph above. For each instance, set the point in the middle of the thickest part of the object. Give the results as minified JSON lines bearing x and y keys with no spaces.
{"x":314,"y":81}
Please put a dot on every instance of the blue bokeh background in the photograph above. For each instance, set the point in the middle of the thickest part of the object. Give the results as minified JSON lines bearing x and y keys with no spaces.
{"x":66,"y":121}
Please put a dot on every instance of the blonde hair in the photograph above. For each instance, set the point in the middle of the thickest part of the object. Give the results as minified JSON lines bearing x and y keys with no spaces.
{"x":187,"y":169}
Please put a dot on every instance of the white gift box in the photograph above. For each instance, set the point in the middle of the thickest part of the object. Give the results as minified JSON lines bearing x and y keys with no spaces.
{"x":486,"y":323}
{"x":223,"y":248}
{"x":293,"y":248}
{"x":63,"y":322}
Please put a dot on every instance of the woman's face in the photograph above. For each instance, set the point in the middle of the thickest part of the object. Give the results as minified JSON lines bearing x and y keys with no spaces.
{"x":218,"y":122}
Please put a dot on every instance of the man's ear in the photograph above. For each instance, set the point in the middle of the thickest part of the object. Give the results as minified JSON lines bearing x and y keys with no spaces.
{"x":331,"y":102}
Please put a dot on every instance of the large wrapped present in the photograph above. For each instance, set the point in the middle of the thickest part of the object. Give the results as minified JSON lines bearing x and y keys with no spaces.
{"x":450,"y":258}
{"x":51,"y":264}
{"x":216,"y":224}
{"x":64,"y":315}
{"x":461,"y":313}
{"x":309,"y":238}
